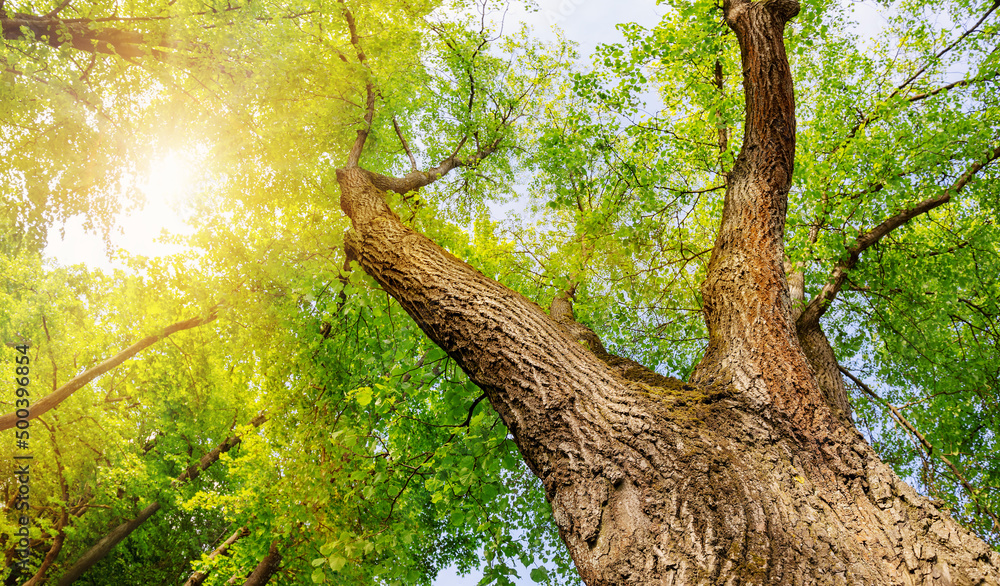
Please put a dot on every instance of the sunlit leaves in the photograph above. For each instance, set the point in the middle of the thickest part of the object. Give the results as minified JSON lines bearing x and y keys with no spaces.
{"x":380,"y":460}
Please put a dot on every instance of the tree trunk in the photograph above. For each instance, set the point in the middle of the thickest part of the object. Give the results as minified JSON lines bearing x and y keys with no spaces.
{"x":746,"y":475}
{"x":266,"y":568}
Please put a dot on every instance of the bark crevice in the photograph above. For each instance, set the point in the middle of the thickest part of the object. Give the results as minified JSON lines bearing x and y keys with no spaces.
{"x":747,"y":475}
{"x":660,"y":484}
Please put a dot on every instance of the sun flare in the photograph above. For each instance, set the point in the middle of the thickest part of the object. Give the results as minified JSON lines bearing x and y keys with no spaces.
{"x":169,"y":180}
{"x":168,"y":183}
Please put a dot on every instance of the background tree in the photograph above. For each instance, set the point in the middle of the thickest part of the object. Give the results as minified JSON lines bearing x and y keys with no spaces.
{"x":322,"y":353}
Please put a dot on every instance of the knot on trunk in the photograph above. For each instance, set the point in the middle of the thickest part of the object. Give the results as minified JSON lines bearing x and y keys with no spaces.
{"x":785,"y":10}
{"x":360,"y":199}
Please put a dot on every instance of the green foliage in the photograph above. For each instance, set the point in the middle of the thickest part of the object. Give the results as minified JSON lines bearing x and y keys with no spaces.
{"x":380,"y":462}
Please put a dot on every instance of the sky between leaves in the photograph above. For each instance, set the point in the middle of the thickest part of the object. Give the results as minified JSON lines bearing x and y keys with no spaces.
{"x":587,"y":22}
{"x":165,"y":186}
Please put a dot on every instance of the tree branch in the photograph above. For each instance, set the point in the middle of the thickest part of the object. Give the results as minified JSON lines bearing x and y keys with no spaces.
{"x":56,"y":397}
{"x":951,"y":86}
{"x":838,"y":276}
{"x":57,"y":544}
{"x":926,"y":445}
{"x":920,"y":72}
{"x":406,"y":147}
{"x":116,"y":535}
{"x":869,"y":118}
{"x":359,"y":143}
{"x":267,"y":567}
{"x":80,"y":35}
{"x":416,"y":179}
{"x":198,"y":577}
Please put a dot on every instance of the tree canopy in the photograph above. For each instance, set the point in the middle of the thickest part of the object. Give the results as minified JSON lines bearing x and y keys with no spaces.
{"x":258,"y":407}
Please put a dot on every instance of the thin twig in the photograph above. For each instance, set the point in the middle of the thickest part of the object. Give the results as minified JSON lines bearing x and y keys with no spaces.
{"x":928,"y":448}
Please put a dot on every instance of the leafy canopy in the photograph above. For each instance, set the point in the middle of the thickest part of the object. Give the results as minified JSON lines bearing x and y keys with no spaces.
{"x":379,"y":460}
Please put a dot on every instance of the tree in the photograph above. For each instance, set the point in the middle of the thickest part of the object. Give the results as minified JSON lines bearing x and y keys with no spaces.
{"x":750,"y":470}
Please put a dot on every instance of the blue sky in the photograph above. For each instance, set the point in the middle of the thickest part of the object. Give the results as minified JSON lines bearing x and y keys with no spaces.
{"x":589,"y":23}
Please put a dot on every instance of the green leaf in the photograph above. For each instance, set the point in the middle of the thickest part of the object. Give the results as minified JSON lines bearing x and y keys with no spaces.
{"x":337,"y":563}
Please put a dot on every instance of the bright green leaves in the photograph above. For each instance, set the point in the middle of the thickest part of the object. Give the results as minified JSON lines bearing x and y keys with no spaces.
{"x":381,"y":461}
{"x":540,"y":575}
{"x":482,"y":94}
{"x":932,"y":343}
{"x":363,"y":396}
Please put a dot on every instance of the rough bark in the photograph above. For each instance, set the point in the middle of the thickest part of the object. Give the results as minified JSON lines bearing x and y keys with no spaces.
{"x":745,"y":475}
{"x":267,"y":567}
{"x":752,"y":339}
{"x":59,"y":395}
{"x":663,"y":482}
{"x":100,"y":549}
{"x":817,"y":348}
{"x":823,"y":361}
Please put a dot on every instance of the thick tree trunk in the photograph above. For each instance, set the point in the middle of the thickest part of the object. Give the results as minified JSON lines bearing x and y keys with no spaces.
{"x":747,"y":475}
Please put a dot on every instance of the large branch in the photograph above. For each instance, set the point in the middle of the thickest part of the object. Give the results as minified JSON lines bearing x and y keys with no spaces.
{"x":59,"y":395}
{"x":102,"y":547}
{"x":838,"y":276}
{"x":416,"y":179}
{"x":81,"y":35}
{"x":554,"y":394}
{"x":752,"y":343}
{"x":109,"y":541}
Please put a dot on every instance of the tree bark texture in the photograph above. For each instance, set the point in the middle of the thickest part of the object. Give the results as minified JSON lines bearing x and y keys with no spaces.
{"x":746,"y":475}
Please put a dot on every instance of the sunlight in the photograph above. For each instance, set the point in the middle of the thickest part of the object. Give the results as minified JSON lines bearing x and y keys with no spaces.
{"x":169,"y":183}
{"x":169,"y":180}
